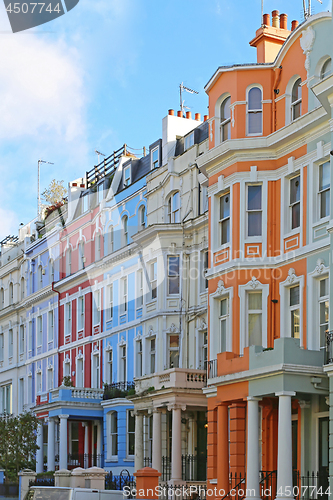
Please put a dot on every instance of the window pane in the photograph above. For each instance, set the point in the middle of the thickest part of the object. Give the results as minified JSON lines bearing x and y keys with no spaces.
{"x":174,"y":341}
{"x":223,"y":335}
{"x":131,"y":423}
{"x":254,"y":224}
{"x":226,"y":131}
{"x":324,"y":287}
{"x":294,"y":295}
{"x":295,"y":317}
{"x":225,"y":109}
{"x":225,"y":236}
{"x":254,"y":98}
{"x":326,"y":69}
{"x":173,"y":266}
{"x":254,"y":198}
{"x":296,"y":111}
{"x":295,"y":216}
{"x":255,"y":301}
{"x":255,"y":123}
{"x":324,"y":176}
{"x":225,"y":206}
{"x":324,"y":312}
{"x":325,"y":203}
{"x":255,"y":329}
{"x":224,"y":307}
{"x":174,"y":359}
{"x":297,"y":91}
{"x":175,"y":201}
{"x":295,"y":190}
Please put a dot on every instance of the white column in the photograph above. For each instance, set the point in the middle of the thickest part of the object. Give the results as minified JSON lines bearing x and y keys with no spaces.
{"x":138,"y":441}
{"x":252,"y":467}
{"x":63,"y":454}
{"x":157,"y":441}
{"x":86,"y":445}
{"x":40,"y":452}
{"x":99,"y":444}
{"x":176,"y":452}
{"x":50,"y":445}
{"x":285,"y":465}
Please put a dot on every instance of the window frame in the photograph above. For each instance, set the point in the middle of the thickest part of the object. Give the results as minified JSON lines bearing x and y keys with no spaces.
{"x":124,"y":295}
{"x":172,"y":276}
{"x":39,"y":331}
{"x":139,"y":358}
{"x":80,"y":313}
{"x":223,"y":319}
{"x":139,"y":286}
{"x":21,"y":339}
{"x":127,"y":178}
{"x":253,"y":285}
{"x":297,"y":102}
{"x":293,"y":308}
{"x":130,"y":435}
{"x":124,"y":222}
{"x":113,"y":435}
{"x":323,"y":190}
{"x":222,"y":220}
{"x":173,"y":214}
{"x":172,"y":350}
{"x":226,"y":121}
{"x":253,"y":111}
{"x":189,"y":141}
{"x":155,"y":164}
{"x":323,"y":299}
{"x":152,"y":355}
{"x":50,"y":326}
{"x":292,"y":205}
{"x":323,"y":75}
{"x":68,"y":319}
{"x":253,"y":311}
{"x":249,"y":211}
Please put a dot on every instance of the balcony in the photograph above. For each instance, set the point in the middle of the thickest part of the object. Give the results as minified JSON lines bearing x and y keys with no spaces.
{"x":76,"y":394}
{"x":118,"y":390}
{"x":174,"y":378}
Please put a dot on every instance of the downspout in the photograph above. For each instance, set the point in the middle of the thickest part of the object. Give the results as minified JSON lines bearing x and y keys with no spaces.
{"x":275,"y":92}
{"x":56,"y":291}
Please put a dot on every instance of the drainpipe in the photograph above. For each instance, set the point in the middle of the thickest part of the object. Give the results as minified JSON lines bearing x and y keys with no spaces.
{"x":56,"y":291}
{"x":275,"y":92}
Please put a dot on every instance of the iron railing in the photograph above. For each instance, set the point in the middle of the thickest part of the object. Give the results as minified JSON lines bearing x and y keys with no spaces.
{"x":42,"y":481}
{"x":10,"y":490}
{"x":211,"y":368}
{"x":329,"y":347}
{"x":183,"y":491}
{"x":166,"y":469}
{"x":237,"y":487}
{"x":106,"y":167}
{"x":194,"y":468}
{"x":118,"y":483}
{"x":84,"y":460}
{"x":118,"y":390}
{"x":147,"y":462}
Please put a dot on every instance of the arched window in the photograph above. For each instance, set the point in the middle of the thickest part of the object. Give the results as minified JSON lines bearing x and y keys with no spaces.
{"x":296,"y":100}
{"x":142,"y":218}
{"x":22,"y":288}
{"x":125,"y":230}
{"x":11,"y":293}
{"x":81,"y":255}
{"x":174,"y":208}
{"x":254,"y":111}
{"x":225,"y":119}
{"x":326,"y":69}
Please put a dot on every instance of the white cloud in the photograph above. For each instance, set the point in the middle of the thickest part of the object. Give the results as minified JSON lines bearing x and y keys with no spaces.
{"x":41,"y":88}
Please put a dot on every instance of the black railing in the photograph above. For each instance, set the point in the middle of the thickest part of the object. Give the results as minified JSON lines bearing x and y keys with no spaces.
{"x":118,"y":483}
{"x":42,"y":481}
{"x":211,"y":368}
{"x":118,"y":390}
{"x":267,"y":482}
{"x":311,"y":486}
{"x":166,"y":469}
{"x":237,"y":487}
{"x":182,"y":492}
{"x":147,"y":462}
{"x":194,"y":468}
{"x":84,"y":460}
{"x":329,"y":347}
{"x":106,"y":167}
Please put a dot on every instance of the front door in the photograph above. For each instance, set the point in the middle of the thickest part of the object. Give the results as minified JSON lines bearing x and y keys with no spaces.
{"x":323,"y":454}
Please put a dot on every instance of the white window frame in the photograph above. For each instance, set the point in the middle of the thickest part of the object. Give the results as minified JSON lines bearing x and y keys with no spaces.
{"x":81,"y":255}
{"x":109,"y":365}
{"x":30,"y":336}
{"x":321,"y":191}
{"x":248,"y":111}
{"x":110,"y":436}
{"x":223,"y":319}
{"x":124,"y":295}
{"x":123,"y":365}
{"x":50,"y":326}
{"x":320,"y":272}
{"x":170,"y":276}
{"x":173,"y":349}
{"x":39,"y":331}
{"x":155,"y":164}
{"x":2,"y":347}
{"x":80,"y":313}
{"x":97,"y":245}
{"x":139,"y":358}
{"x":21,"y":339}
{"x":294,"y":307}
{"x":110,"y":309}
{"x":97,"y":307}
{"x":214,"y":300}
{"x":204,"y":266}
{"x":50,"y":376}
{"x":111,"y":239}
{"x":152,"y":354}
{"x":224,"y":219}
{"x":189,"y":141}
{"x":297,"y":101}
{"x":39,"y":381}
{"x":253,"y":311}
{"x":68,"y":319}
{"x":124,"y":222}
{"x":142,"y":220}
{"x":10,"y":343}
{"x":11,"y":293}
{"x":128,"y":433}
{"x":253,"y":285}
{"x":153,"y":280}
{"x":79,"y":361}
{"x":285,"y":319}
{"x":323,"y":299}
{"x":66,"y":367}
{"x":68,"y":261}
{"x":139,"y":285}
{"x":226,"y":121}
{"x":95,"y":369}
{"x":250,"y":184}
{"x":291,"y":205}
{"x":127,"y":176}
{"x":173,"y":213}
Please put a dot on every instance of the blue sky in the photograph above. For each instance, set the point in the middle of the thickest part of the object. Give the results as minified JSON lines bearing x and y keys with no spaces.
{"x":105,"y":74}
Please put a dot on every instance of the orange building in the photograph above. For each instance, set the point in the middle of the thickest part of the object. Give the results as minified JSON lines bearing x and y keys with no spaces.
{"x":270,"y":216}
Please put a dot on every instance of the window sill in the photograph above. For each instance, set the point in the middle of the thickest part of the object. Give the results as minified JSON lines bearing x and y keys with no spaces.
{"x":225,"y":246}
{"x":293,"y":232}
{"x":113,"y":459}
{"x":129,"y":459}
{"x":152,"y":301}
{"x":253,"y":239}
{"x":321,"y":222}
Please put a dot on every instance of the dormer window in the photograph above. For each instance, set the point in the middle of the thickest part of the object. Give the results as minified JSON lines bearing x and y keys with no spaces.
{"x":189,"y":141}
{"x":296,"y":100}
{"x":100,"y":190}
{"x":127,"y":176}
{"x":85,"y":203}
{"x":225,"y":120}
{"x":326,"y":69}
{"x":154,"y":158}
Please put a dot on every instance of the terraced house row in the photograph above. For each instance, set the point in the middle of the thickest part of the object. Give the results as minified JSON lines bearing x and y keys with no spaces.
{"x":176,"y":311}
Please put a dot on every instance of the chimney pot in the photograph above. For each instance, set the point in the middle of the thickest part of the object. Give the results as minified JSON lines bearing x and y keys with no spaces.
{"x":267,"y":21}
{"x":275,"y":18}
{"x":294,"y":25}
{"x":198,"y":117}
{"x":283,"y":21}
{"x":171,"y":112}
{"x":179,"y":114}
{"x":205,"y":118}
{"x":189,"y":115}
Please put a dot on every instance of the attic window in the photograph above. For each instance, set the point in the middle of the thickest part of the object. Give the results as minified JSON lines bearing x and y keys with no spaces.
{"x":85,"y":200}
{"x":154,"y":158}
{"x":189,"y":141}
{"x":127,"y":176}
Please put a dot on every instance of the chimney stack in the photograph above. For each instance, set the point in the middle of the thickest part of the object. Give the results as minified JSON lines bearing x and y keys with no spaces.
{"x":275,"y":18}
{"x":171,"y":112}
{"x":189,"y":115}
{"x":179,"y":114}
{"x":294,"y":25}
{"x":205,"y":118}
{"x":198,"y":117}
{"x":283,"y":21}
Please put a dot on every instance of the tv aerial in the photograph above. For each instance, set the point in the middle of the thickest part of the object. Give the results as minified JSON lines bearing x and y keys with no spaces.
{"x":307,"y":10}
{"x":182,"y":88}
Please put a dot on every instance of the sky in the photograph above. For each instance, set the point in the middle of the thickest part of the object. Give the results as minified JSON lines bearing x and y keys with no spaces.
{"x":105,"y":74}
